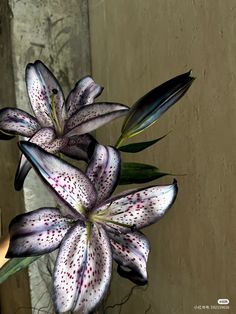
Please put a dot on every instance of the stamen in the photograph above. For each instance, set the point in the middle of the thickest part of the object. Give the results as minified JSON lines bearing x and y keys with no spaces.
{"x":97,"y":218}
{"x":81,"y":209}
{"x":54,"y":114}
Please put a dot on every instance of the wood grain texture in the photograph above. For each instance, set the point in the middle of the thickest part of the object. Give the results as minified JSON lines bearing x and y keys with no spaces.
{"x":14,"y":294}
{"x":135,"y":46}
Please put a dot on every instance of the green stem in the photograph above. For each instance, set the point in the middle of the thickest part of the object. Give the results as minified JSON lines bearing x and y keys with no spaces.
{"x":119,"y":141}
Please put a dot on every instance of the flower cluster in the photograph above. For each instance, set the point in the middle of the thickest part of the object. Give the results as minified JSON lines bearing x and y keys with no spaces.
{"x":59,"y":125}
{"x":90,"y":227}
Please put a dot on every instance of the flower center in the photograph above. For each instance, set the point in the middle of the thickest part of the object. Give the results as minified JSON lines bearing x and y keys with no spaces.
{"x":102,"y":217}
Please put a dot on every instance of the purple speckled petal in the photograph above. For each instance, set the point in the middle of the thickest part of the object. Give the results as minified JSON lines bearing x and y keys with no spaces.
{"x":37,"y":232}
{"x":19,"y":122}
{"x":84,"y":93}
{"x":83,"y":269}
{"x":93,"y":116}
{"x":131,"y":250}
{"x":45,"y":138}
{"x":42,"y":86}
{"x":68,"y":182}
{"x":80,"y":147}
{"x":103,"y":170}
{"x":138,"y":209}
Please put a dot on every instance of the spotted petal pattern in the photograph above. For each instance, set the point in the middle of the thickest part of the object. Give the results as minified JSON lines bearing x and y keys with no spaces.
{"x":19,"y":122}
{"x":41,"y":86}
{"x":45,"y":138}
{"x":37,"y":232}
{"x":83,"y":269}
{"x":103,"y":170}
{"x":91,"y":117}
{"x":139,"y":209}
{"x":84,"y":93}
{"x":68,"y":182}
{"x":131,"y":250}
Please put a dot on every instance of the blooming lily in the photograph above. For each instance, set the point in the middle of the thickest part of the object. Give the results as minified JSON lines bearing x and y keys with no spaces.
{"x":59,"y":125}
{"x":93,"y":227}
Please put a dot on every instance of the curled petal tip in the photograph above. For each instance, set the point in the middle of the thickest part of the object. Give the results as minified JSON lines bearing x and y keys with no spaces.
{"x":38,"y":61}
{"x":175,"y":181}
{"x":132,"y":276}
{"x":189,"y":72}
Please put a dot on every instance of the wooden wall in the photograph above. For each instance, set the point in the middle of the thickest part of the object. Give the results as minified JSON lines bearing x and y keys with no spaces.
{"x":136,"y":45}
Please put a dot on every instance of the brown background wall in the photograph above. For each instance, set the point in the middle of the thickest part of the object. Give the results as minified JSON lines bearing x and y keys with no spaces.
{"x":135,"y":46}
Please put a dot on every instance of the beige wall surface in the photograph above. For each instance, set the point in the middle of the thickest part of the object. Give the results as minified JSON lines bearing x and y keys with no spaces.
{"x":137,"y":45}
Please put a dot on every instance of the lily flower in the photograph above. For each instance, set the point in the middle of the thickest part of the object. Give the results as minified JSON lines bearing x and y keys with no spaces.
{"x":59,"y":125}
{"x":93,"y":227}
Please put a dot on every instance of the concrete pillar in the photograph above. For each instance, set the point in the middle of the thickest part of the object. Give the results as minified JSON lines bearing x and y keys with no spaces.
{"x":57,"y":33}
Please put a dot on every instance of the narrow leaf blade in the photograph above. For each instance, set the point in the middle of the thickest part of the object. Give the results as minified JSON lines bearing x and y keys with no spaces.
{"x":135,"y":173}
{"x":14,"y":265}
{"x":138,"y":147}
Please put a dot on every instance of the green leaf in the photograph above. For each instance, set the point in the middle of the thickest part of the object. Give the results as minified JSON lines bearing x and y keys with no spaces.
{"x":138,"y":147}
{"x":14,"y":265}
{"x":132,"y":172}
